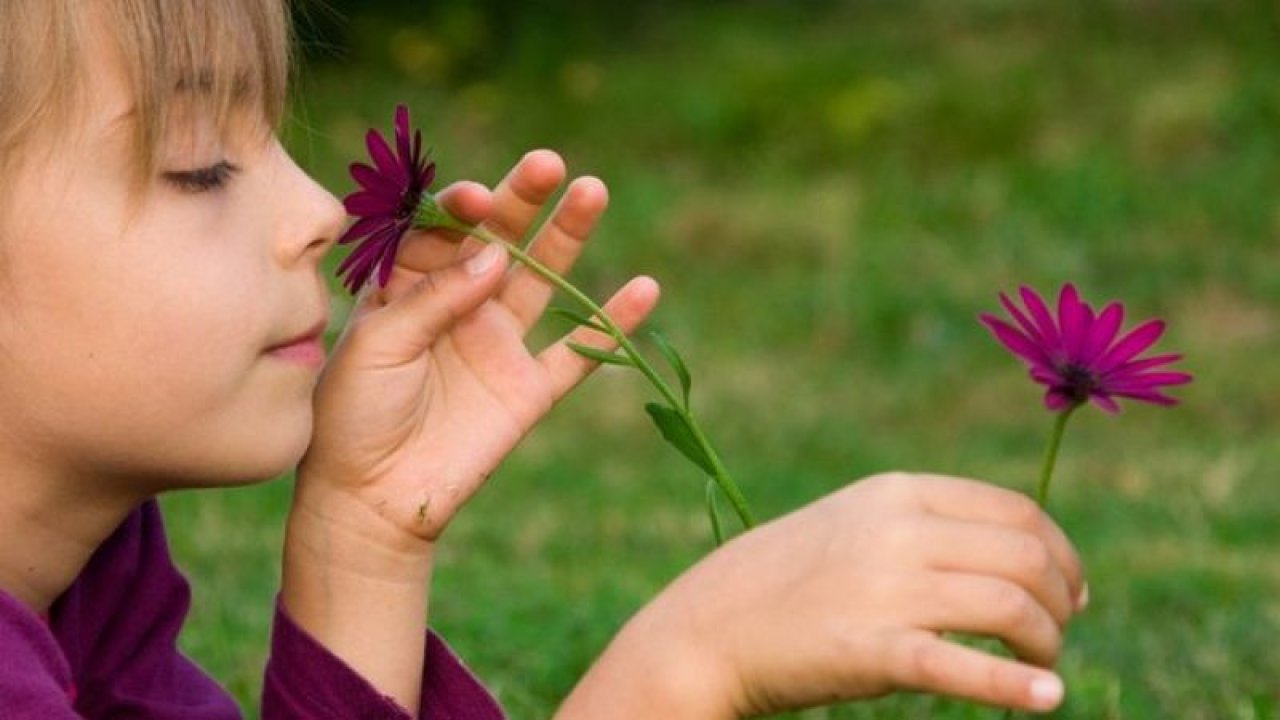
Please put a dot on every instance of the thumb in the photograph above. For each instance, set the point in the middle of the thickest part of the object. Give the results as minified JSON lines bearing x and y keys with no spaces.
{"x":407,"y":326}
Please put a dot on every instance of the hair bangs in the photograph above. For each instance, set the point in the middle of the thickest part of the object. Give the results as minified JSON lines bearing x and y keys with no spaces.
{"x":224,"y":59}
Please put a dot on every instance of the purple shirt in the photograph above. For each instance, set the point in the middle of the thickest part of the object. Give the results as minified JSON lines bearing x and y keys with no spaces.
{"x":108,"y":650}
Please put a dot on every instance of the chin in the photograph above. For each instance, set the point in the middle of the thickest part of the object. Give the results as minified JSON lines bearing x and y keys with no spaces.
{"x":280,"y":461}
{"x":252,"y":458}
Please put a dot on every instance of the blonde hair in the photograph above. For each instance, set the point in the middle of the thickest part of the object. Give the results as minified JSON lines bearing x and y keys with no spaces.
{"x":223,"y":55}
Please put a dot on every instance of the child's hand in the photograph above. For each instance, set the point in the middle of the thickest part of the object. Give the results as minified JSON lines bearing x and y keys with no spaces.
{"x":849,"y":598}
{"x":431,"y":384}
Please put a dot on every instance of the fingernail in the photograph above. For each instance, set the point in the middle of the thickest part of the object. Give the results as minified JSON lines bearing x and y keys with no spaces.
{"x":480,"y":263}
{"x":1082,"y":602}
{"x":1046,"y":692}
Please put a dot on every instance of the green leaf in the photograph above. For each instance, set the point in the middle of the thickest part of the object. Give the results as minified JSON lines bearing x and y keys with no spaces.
{"x":677,"y":363}
{"x":713,"y":513}
{"x":578,"y":319}
{"x":676,"y":431}
{"x":602,"y":356}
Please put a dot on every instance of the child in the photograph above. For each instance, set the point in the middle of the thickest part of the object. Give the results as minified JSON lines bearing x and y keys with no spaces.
{"x":162,"y":327}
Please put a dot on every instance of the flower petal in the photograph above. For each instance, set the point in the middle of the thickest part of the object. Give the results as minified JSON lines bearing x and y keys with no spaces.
{"x":1132,"y":344}
{"x":1150,"y":396}
{"x":1102,"y":333}
{"x":388,"y":262}
{"x":1028,"y":328}
{"x":1039,"y":312}
{"x":403,"y":148}
{"x":385,"y":159}
{"x":356,"y":271}
{"x":1104,"y":401}
{"x":1149,"y":380}
{"x":1073,"y":319}
{"x":1137,"y":366}
{"x":426,"y":176}
{"x":363,"y":227}
{"x":1058,"y":400}
{"x":371,"y":247}
{"x":379,"y":250}
{"x":366,"y":203}
{"x":374,"y":181}
{"x":1015,"y":341}
{"x":1047,"y":376}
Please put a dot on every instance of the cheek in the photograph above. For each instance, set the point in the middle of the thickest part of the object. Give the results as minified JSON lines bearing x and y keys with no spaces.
{"x":133,"y":342}
{"x":162,"y":376}
{"x":215,"y":398}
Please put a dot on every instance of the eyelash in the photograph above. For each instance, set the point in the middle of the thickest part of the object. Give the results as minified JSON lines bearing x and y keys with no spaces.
{"x":200,"y":180}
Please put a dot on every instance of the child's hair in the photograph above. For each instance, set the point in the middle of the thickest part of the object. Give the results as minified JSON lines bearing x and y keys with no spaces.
{"x":221,"y":55}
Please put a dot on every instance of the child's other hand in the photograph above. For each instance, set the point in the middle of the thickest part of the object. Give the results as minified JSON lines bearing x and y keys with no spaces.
{"x":849,"y":598}
{"x":432,"y":384}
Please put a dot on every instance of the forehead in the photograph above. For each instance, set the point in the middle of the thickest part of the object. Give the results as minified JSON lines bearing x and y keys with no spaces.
{"x":223,"y":61}
{"x":94,"y":67}
{"x":109,"y":98}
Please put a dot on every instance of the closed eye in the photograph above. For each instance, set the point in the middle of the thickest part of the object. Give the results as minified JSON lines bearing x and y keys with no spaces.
{"x":200,"y":180}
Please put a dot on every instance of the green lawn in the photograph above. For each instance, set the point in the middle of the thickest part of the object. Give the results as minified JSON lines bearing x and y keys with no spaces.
{"x":830,"y":193}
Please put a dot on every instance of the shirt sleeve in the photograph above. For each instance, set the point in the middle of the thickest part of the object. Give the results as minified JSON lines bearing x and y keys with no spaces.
{"x":304,"y":681}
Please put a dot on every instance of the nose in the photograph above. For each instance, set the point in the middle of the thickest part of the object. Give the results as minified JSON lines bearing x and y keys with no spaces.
{"x":311,"y":219}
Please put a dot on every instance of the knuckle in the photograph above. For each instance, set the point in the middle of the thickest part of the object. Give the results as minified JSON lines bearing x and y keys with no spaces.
{"x":502,"y":226}
{"x":1003,"y":684}
{"x":1045,"y":648}
{"x":1032,"y":558}
{"x":437,"y":284}
{"x":1024,"y":512}
{"x":568,"y":233}
{"x":1012,"y":607}
{"x":1053,"y":647}
{"x":923,"y":664}
{"x":428,"y":284}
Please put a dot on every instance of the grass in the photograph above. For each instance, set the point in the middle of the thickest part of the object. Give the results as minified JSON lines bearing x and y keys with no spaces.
{"x":830,"y":194}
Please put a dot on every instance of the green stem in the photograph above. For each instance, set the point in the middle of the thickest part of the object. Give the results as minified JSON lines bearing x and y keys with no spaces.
{"x":439,"y":218}
{"x":1051,"y":455}
{"x":1046,"y":471}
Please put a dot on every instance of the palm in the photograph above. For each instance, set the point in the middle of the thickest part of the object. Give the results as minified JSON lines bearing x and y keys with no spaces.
{"x":484,"y":392}
{"x":414,"y":431}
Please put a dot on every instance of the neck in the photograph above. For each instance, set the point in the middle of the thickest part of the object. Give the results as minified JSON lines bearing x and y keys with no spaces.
{"x":49,"y":527}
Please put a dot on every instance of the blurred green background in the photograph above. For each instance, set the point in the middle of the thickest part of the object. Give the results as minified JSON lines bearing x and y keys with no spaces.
{"x":830,"y":193}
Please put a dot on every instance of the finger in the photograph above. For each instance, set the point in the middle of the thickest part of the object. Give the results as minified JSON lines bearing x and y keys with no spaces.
{"x":628,"y":308}
{"x":964,"y":499}
{"x":426,"y":250}
{"x":521,"y":195}
{"x":557,"y":245}
{"x":508,"y":211}
{"x":988,"y":606}
{"x":995,"y":550}
{"x":923,"y":662}
{"x":404,"y":329}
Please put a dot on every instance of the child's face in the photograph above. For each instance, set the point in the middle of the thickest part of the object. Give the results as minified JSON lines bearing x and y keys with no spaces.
{"x":149,"y":340}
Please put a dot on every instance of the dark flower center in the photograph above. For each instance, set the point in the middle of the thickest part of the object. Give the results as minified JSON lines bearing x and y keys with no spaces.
{"x":1078,"y":382}
{"x":409,"y":200}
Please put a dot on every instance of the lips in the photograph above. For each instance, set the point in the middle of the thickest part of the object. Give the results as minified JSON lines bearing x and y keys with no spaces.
{"x":305,"y":348}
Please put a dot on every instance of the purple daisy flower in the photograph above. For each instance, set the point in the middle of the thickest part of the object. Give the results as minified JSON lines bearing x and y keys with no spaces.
{"x":386,"y":203}
{"x":1080,"y":356}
